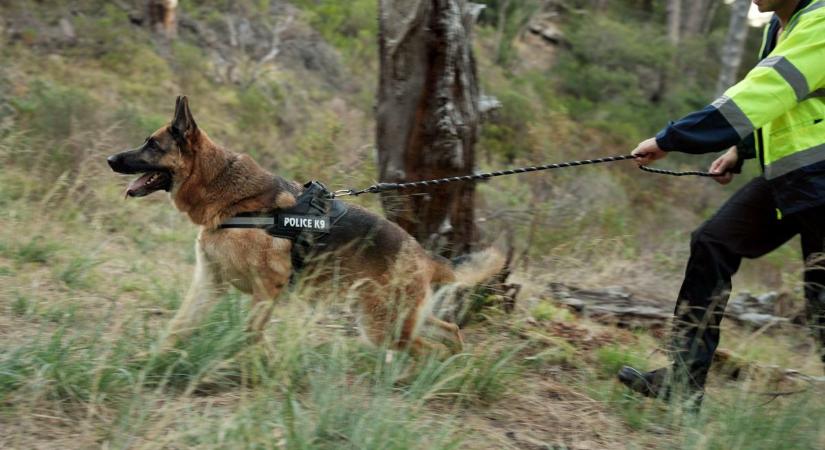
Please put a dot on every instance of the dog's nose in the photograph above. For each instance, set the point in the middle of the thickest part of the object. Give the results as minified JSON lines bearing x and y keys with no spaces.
{"x":112,"y":160}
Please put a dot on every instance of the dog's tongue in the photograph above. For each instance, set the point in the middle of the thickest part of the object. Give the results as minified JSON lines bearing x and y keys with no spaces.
{"x":138,"y":184}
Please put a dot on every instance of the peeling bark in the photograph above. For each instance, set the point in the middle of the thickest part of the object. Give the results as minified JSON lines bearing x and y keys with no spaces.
{"x":427,"y":116}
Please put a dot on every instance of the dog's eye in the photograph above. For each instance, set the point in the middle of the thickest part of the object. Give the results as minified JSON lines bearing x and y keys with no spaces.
{"x":152,"y":144}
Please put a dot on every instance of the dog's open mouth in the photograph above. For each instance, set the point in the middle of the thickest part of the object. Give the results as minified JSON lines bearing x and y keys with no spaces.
{"x":149,"y":182}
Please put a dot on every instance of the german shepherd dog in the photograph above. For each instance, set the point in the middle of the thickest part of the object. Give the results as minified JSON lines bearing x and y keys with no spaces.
{"x":390,"y":273}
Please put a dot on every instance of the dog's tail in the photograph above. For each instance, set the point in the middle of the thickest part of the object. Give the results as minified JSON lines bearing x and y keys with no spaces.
{"x":471,"y":269}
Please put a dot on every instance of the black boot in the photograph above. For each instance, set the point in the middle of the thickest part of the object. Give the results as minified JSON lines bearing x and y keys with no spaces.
{"x":650,"y":384}
{"x":659,"y":384}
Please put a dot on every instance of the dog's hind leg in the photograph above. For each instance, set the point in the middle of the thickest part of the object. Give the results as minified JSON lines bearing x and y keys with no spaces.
{"x":259,"y":316}
{"x":450,"y":333}
{"x":380,"y":323}
{"x":203,"y":293}
{"x":264,"y":295}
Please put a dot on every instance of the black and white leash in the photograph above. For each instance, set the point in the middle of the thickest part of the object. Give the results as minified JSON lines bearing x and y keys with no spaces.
{"x":384,"y":187}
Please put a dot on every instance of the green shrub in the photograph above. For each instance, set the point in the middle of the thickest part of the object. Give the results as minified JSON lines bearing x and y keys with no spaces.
{"x":506,"y":134}
{"x":352,"y":27}
{"x":545,"y":310}
{"x":315,"y":155}
{"x":55,"y":116}
{"x":108,"y":36}
{"x":258,"y":108}
{"x":53,"y":111}
{"x":612,"y":75}
{"x":509,"y":18}
{"x":135,"y":125}
{"x":190,"y":67}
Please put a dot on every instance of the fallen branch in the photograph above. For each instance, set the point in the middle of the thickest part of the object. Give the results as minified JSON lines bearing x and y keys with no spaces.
{"x":618,"y":306}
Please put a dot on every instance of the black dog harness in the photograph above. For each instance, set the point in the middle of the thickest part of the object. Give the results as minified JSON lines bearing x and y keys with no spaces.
{"x":308,"y":224}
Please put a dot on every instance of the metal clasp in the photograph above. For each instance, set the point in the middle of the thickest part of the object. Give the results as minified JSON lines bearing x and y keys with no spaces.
{"x":342,"y":193}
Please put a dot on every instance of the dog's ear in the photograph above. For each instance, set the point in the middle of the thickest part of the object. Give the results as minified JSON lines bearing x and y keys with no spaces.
{"x":183,"y":124}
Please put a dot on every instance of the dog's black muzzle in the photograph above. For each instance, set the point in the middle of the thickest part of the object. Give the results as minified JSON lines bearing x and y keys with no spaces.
{"x":130,"y":162}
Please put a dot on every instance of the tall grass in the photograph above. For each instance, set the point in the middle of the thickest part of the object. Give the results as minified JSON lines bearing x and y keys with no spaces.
{"x":319,"y":390}
{"x":745,"y":421}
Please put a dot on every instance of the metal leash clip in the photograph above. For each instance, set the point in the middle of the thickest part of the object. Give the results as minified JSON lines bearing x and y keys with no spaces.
{"x":341,"y":193}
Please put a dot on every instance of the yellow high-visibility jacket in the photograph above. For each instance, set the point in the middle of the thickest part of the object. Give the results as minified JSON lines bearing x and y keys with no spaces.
{"x":785,"y":96}
{"x":782,"y":103}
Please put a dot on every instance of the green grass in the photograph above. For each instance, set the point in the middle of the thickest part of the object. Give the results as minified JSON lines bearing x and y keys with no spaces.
{"x":743,"y":421}
{"x":545,"y":310}
{"x":613,"y":357}
{"x":206,"y":355}
{"x":321,"y":393}
{"x":75,"y":273}
{"x":59,"y":368}
{"x":36,"y":250}
{"x":21,"y":305}
{"x":308,"y":387}
{"x":559,"y":353}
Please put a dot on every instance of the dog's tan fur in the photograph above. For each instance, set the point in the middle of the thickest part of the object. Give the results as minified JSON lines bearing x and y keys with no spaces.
{"x":392,"y":278}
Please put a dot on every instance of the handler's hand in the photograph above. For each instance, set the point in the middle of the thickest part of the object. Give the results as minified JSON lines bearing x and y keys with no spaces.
{"x":648,"y":151}
{"x":723,"y":166}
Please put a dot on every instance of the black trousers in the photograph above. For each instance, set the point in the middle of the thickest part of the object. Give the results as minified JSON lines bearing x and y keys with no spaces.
{"x":746,"y":226}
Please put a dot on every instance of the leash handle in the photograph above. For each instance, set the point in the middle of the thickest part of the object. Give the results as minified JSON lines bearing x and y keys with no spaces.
{"x":682,"y":174}
{"x":384,"y":187}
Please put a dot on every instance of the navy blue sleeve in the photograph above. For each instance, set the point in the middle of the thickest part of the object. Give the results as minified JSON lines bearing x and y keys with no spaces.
{"x":745,"y":150}
{"x":704,"y":131}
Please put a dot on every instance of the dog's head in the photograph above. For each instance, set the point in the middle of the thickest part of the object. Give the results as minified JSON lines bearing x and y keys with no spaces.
{"x":164,"y":158}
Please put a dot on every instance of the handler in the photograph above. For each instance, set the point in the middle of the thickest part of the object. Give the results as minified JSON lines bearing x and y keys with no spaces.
{"x":776,"y":114}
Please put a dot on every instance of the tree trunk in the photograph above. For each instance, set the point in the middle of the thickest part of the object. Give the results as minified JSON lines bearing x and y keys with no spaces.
{"x":710,"y":13}
{"x":695,"y":17}
{"x":734,"y":45}
{"x":427,"y":117}
{"x":599,"y":6}
{"x":163,"y":17}
{"x":673,"y":10}
{"x":673,"y":14}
